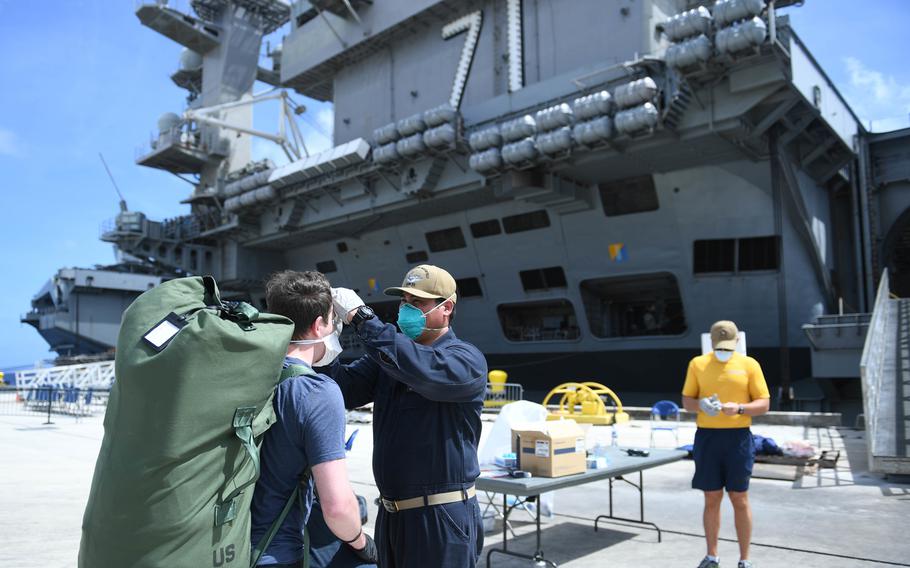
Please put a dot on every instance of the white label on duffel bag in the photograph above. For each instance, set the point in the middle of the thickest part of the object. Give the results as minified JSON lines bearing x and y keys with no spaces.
{"x":165,"y":330}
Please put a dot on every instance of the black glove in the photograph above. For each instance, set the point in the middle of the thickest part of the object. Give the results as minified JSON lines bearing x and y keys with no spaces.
{"x":368,"y":553}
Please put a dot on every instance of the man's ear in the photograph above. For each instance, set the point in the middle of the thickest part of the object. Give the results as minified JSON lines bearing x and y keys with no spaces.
{"x":317,"y":324}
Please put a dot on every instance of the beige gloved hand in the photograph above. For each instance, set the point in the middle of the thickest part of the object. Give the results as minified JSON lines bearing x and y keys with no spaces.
{"x":345,"y":301}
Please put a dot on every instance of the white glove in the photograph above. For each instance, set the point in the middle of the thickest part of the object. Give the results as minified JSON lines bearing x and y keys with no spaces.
{"x":710,"y":405}
{"x":345,"y":300}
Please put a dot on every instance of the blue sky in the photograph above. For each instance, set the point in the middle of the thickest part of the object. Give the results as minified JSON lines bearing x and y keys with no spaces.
{"x":83,"y":77}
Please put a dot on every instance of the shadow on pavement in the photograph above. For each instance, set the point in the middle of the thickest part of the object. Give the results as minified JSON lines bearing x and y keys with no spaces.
{"x":561,"y":543}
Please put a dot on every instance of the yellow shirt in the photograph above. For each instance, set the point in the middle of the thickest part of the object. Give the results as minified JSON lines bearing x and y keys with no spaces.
{"x":739,"y":380}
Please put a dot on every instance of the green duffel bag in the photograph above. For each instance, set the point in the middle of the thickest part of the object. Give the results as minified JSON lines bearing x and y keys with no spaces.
{"x":179,"y":459}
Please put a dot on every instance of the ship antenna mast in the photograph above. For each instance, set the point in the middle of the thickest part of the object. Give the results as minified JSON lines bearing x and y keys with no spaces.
{"x":123,"y":208}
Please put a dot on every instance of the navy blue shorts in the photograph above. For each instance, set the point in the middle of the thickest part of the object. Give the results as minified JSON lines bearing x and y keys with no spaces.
{"x":723,"y":459}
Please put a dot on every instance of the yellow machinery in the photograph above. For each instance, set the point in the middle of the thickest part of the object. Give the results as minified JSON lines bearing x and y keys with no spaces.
{"x":588,"y":398}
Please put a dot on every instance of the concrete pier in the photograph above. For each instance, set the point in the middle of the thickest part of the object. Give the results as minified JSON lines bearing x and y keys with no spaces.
{"x":841,"y":517}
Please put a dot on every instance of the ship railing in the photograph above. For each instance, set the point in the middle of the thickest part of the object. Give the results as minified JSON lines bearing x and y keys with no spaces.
{"x":844,"y":319}
{"x":872,"y":364}
{"x":51,"y":400}
{"x":837,"y":325}
{"x":38,"y":312}
{"x":501,"y":394}
{"x":99,"y":375}
{"x":182,"y":228}
{"x":184,"y":135}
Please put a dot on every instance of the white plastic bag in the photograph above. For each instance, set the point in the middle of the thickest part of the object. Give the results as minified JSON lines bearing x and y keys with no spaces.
{"x":499,"y":441}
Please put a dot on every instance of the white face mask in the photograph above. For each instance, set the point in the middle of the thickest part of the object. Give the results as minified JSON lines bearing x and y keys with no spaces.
{"x":332,"y":345}
{"x":332,"y":349}
{"x":723,"y":356}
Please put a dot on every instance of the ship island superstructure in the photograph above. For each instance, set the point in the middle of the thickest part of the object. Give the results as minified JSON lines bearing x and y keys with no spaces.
{"x":604,"y":178}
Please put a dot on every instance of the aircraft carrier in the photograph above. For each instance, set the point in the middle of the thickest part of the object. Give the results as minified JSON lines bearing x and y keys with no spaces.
{"x":604,"y":178}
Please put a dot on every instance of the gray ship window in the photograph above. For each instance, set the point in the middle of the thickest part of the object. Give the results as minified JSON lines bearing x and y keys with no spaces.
{"x":631,"y":306}
{"x":342,"y":246}
{"x":417,"y":256}
{"x":445,"y":239}
{"x":550,"y":320}
{"x":526,"y":221}
{"x":326,"y":266}
{"x":713,"y":255}
{"x":386,"y":311}
{"x":759,"y":253}
{"x":468,"y":287}
{"x":750,"y":254}
{"x":543,"y":278}
{"x":630,"y":195}
{"x":486,"y":228}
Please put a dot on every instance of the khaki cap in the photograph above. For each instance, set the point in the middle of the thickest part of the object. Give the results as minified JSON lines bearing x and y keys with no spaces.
{"x":425,"y":281}
{"x":724,"y":335}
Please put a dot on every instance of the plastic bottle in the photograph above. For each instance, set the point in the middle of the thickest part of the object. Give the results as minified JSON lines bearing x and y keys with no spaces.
{"x":614,"y":437}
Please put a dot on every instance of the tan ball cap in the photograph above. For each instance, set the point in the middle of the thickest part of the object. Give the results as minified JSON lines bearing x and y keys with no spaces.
{"x":723,"y":335}
{"x":425,"y":281}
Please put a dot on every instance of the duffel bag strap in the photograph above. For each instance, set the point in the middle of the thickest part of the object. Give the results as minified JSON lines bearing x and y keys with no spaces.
{"x":226,"y":511}
{"x":295,"y":371}
{"x":241,"y":313}
{"x":212,"y":297}
{"x":298,"y":495}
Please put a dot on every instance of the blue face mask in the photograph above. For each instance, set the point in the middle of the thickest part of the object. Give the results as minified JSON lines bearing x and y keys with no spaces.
{"x":412,"y":321}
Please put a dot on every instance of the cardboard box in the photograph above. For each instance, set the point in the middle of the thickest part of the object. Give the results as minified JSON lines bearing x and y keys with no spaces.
{"x":550,"y":449}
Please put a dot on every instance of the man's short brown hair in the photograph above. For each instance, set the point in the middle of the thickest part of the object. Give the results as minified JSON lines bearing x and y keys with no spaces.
{"x":300,"y":296}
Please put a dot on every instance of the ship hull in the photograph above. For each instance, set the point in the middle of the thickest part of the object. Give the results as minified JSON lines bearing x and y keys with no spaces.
{"x":659,"y":371}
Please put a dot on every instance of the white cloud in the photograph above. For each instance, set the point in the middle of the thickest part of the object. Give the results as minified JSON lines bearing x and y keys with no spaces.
{"x":10,"y":145}
{"x":326,"y":119}
{"x":879,"y":100}
{"x":317,"y":130}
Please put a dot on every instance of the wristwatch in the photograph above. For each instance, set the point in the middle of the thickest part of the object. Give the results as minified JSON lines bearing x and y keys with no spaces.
{"x":741,"y":410}
{"x":362,"y":314}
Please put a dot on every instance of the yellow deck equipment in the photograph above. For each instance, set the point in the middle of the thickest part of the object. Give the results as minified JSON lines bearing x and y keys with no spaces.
{"x":585,"y":402}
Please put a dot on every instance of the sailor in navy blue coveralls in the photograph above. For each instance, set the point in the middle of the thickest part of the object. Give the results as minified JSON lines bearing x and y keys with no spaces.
{"x":426,"y":428}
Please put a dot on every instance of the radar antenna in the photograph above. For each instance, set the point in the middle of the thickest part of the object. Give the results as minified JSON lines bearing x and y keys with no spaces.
{"x":123,"y":208}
